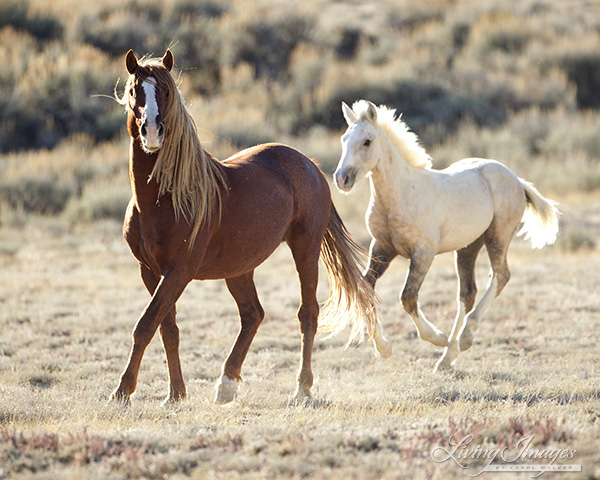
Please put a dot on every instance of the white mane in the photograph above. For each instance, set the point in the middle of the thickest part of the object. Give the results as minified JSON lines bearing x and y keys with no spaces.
{"x":405,"y":141}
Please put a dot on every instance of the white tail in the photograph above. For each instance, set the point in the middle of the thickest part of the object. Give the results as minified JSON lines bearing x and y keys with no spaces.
{"x":540,"y":220}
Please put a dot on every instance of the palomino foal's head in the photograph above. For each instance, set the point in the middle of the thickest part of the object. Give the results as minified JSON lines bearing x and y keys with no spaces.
{"x":361,"y":146}
{"x":146,"y":94}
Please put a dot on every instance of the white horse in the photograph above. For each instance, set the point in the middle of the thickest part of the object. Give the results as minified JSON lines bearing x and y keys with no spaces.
{"x":417,"y":212}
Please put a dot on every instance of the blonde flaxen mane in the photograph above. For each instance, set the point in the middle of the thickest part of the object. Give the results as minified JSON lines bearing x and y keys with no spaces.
{"x":405,"y":141}
{"x":183,"y":169}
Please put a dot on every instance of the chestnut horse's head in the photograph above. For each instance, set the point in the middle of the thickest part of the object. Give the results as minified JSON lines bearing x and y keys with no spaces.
{"x":147,"y":97}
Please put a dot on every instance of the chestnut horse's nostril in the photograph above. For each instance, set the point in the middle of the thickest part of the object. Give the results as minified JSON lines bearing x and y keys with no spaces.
{"x":161,"y":129}
{"x":144,"y":131}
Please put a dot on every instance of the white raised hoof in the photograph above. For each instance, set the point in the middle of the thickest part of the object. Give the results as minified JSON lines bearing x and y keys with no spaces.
{"x":382,"y":345}
{"x":433,"y":335}
{"x":226,"y":390}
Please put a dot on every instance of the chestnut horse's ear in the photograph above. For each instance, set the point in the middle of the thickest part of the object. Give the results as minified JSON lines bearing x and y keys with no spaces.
{"x":167,"y":60}
{"x":132,"y":62}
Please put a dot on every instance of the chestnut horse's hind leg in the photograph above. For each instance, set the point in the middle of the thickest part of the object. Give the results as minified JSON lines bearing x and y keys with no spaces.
{"x":168,"y":290}
{"x":169,"y":334}
{"x":251,"y":315}
{"x":467,"y":291}
{"x":306,"y":251}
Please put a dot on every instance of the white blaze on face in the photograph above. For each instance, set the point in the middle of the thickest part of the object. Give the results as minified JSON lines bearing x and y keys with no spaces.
{"x":151,"y":138}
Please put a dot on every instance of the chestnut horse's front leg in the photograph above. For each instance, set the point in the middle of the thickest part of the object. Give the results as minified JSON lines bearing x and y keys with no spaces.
{"x":169,"y":334}
{"x":169,"y":289}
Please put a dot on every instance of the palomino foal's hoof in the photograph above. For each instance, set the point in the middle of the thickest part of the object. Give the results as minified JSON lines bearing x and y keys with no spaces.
{"x":226,"y":390}
{"x":383,"y":346}
{"x":465,"y":340}
{"x":438,"y":338}
{"x":445,"y":363}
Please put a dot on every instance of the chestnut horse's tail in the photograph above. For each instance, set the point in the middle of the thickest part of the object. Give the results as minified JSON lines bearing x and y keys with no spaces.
{"x":351,"y":300}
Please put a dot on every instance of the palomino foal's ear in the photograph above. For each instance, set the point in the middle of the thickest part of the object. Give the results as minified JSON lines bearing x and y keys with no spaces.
{"x":372,"y":112}
{"x":349,"y":114}
{"x":132,"y":62}
{"x":167,"y":60}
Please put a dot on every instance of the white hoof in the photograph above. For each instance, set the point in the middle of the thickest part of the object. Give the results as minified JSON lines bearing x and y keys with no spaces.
{"x":446,"y":361}
{"x":383,"y":346}
{"x":226,"y":390}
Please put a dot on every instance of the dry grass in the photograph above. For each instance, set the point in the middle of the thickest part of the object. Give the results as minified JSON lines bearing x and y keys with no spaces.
{"x":70,"y":296}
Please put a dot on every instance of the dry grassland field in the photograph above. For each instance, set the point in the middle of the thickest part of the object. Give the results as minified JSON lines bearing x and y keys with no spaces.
{"x":71,"y":295}
{"x":515,"y":81}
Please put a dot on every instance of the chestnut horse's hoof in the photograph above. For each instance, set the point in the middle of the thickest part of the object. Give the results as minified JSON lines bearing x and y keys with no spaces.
{"x":119,"y":398}
{"x":226,"y":390}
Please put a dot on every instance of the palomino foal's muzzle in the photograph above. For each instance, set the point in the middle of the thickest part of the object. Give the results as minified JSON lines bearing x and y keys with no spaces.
{"x":345,"y":178}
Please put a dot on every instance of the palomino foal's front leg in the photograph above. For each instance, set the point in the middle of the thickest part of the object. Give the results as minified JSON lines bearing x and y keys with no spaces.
{"x":379,"y":261}
{"x":167,"y":292}
{"x":419,"y":266}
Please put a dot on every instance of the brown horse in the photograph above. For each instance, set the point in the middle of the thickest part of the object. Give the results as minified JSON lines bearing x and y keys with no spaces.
{"x":193,"y":217}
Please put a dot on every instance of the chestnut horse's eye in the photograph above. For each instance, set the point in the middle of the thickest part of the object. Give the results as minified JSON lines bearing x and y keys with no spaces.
{"x":132,"y":92}
{"x":167,"y":92}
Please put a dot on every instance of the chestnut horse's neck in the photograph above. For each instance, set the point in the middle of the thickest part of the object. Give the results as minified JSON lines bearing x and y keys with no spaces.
{"x":144,"y":189}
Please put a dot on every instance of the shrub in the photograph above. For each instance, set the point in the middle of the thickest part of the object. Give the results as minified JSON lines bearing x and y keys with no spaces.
{"x":266,"y":44}
{"x":42,"y":194}
{"x":16,"y":14}
{"x":55,"y":98}
{"x":99,"y":201}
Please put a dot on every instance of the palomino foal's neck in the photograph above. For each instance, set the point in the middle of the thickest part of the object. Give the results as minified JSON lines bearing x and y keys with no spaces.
{"x":393,"y":178}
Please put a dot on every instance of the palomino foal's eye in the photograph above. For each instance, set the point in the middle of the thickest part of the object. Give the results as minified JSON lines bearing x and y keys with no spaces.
{"x":367,"y":142}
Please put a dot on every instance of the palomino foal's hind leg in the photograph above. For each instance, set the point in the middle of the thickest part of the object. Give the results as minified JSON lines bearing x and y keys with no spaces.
{"x":251,"y":314}
{"x":497,"y":248}
{"x":419,"y":266}
{"x":467,"y":291}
